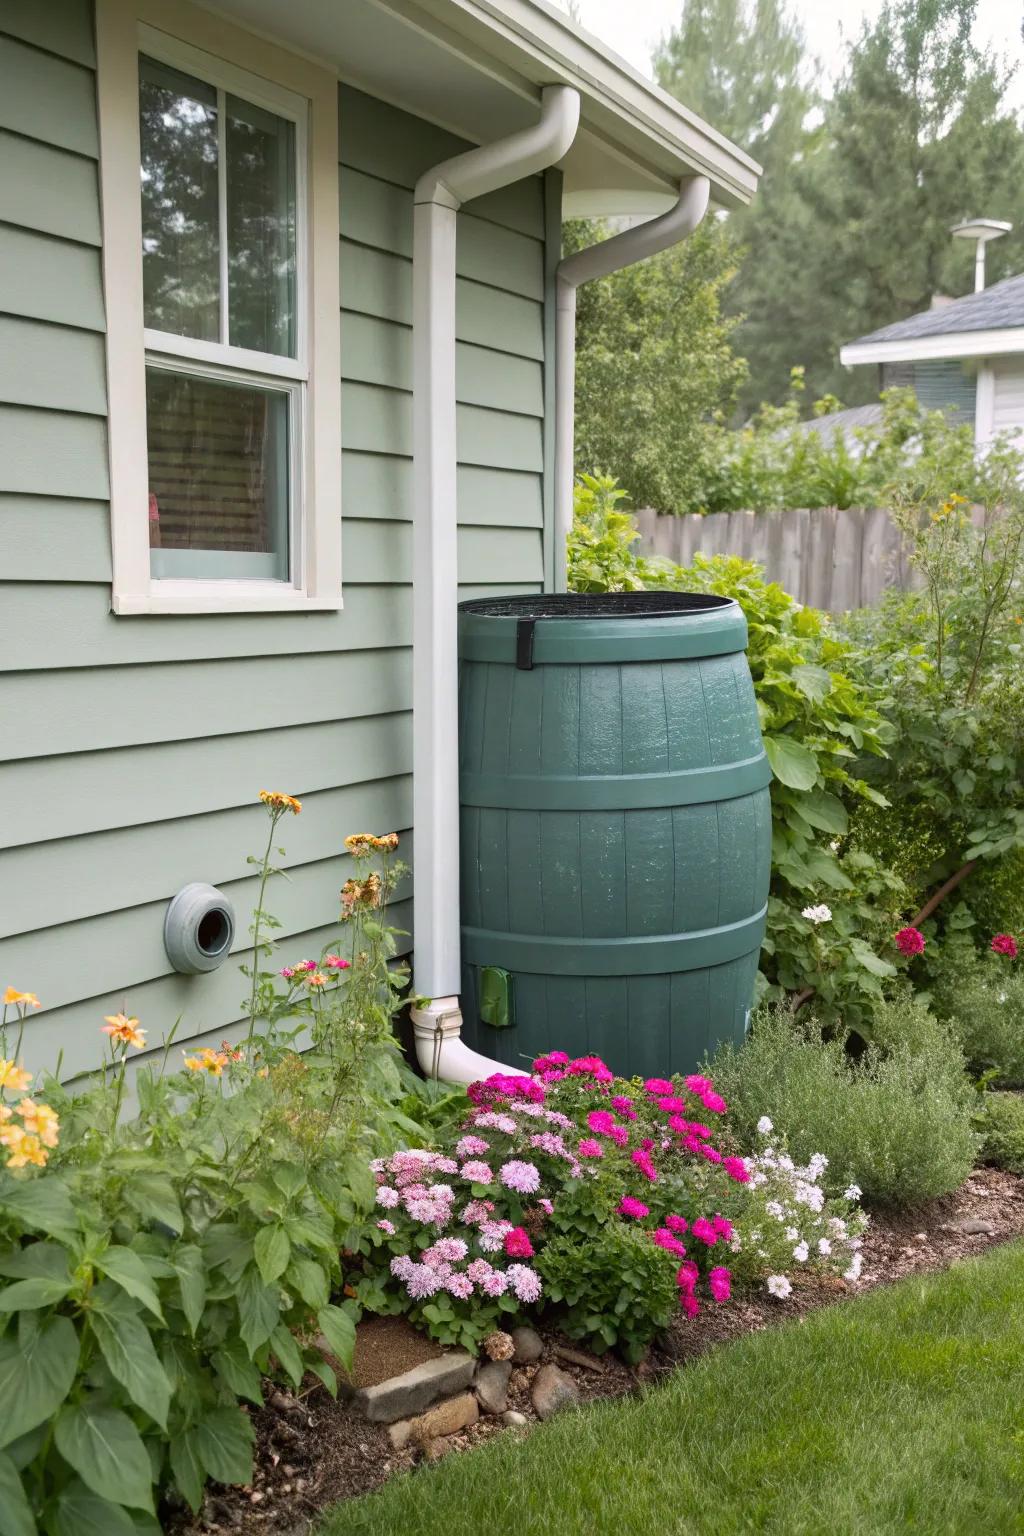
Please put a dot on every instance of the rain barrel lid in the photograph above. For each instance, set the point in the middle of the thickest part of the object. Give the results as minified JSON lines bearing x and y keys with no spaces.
{"x":576,"y":627}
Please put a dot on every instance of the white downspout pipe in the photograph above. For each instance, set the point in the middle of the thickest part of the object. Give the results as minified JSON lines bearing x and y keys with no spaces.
{"x":599,"y":260}
{"x":440,"y":193}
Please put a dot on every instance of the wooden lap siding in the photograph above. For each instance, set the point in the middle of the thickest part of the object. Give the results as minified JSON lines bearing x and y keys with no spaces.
{"x":133,"y":749}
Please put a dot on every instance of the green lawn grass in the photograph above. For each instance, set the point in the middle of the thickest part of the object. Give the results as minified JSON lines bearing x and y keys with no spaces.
{"x":902,"y":1411}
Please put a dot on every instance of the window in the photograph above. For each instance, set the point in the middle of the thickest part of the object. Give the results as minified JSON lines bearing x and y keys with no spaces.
{"x":220,"y":259}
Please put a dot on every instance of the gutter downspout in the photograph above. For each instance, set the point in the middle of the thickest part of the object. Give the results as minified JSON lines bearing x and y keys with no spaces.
{"x":599,"y":260}
{"x":440,"y":193}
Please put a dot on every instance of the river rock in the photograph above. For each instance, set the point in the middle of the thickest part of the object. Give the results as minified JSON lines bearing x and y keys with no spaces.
{"x":491,"y":1385}
{"x":445,"y":1419}
{"x":553,"y":1390}
{"x":529,"y":1346}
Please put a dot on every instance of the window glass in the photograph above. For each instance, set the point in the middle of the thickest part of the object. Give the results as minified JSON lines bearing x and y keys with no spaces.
{"x":180,"y":215}
{"x":218,"y":477}
{"x":260,"y":155}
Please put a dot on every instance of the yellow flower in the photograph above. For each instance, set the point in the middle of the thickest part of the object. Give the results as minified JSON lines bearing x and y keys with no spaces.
{"x":207,"y":1060}
{"x":361,"y":843}
{"x":25,"y":999}
{"x":277,"y":800}
{"x":23,"y":1148}
{"x":40,"y":1120}
{"x":13,"y":1077}
{"x":124,"y":1030}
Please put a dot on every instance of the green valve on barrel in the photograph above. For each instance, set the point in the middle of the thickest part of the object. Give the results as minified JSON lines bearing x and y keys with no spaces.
{"x":496,"y":1005}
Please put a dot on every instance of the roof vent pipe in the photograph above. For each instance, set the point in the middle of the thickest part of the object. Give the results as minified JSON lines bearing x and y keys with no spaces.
{"x":599,"y":260}
{"x":440,"y":193}
{"x":981,"y":231}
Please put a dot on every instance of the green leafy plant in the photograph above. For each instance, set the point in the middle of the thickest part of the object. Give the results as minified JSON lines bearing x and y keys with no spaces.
{"x":617,"y":1290}
{"x":983,"y":1001}
{"x":1000,"y":1119}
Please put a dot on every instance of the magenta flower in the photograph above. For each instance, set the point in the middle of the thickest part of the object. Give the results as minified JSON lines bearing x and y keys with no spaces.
{"x":687,"y":1276}
{"x":720,"y":1284}
{"x":671,"y":1104}
{"x":697,"y":1084}
{"x":287,"y":973}
{"x":1004,"y":944}
{"x":635,"y":1208}
{"x":713,"y":1102}
{"x":642,"y":1158}
{"x":909,"y":941}
{"x":690,"y":1305}
{"x":624,"y":1107}
{"x":335,"y":963}
{"x":675,"y":1224}
{"x":704,"y":1230}
{"x":664,"y":1239}
{"x":736,"y":1168}
{"x":723,"y":1226}
{"x":518,"y":1245}
{"x":588,"y":1147}
{"x":656,"y":1086}
{"x":601,"y":1121}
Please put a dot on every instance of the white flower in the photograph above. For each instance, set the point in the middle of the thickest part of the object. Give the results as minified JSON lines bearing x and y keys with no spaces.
{"x":824,"y":1247}
{"x":800,"y":1253}
{"x":837,"y":1226}
{"x":821,"y":914}
{"x":817,"y":1165}
{"x":773,"y":1208}
{"x":792,"y":1235}
{"x":853,"y":1273}
{"x":779,"y":1286}
{"x":764,"y":1126}
{"x":853,"y":1192}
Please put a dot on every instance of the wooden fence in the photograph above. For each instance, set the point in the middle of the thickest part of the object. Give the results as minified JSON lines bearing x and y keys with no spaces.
{"x":825,"y":557}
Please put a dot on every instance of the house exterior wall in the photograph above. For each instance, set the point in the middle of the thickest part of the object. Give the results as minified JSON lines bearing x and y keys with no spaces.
{"x":940,"y":384}
{"x":133,"y":749}
{"x":1008,"y":397}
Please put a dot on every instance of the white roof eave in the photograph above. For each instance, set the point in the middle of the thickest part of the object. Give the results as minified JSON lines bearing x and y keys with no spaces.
{"x":951,"y":344}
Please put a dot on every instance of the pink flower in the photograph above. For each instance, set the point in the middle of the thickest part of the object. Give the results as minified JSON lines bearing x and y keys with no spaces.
{"x":690,"y":1305}
{"x":709,"y":1153}
{"x":447,"y":1250}
{"x":909,"y":941}
{"x":550,"y":1063}
{"x":719,"y":1283}
{"x":306,"y":965}
{"x":335,"y":963}
{"x":471,"y":1146}
{"x":288,"y":972}
{"x":664,"y":1239}
{"x":675,"y":1224}
{"x":422,"y":1281}
{"x":524,"y":1178}
{"x":698,"y":1084}
{"x":723,"y":1226}
{"x":479,"y":1270}
{"x":642,"y":1158}
{"x":387,"y":1197}
{"x":736,"y":1168}
{"x":495,"y":1283}
{"x":624,"y":1107}
{"x":477,"y":1173}
{"x":713,"y":1102}
{"x":505,"y":1085}
{"x":687,"y":1276}
{"x":546,"y":1206}
{"x":588,"y":1147}
{"x":476,"y":1211}
{"x":549,"y":1142}
{"x":601,"y":1121}
{"x":635,"y":1208}
{"x":524,"y":1281}
{"x":656,"y":1086}
{"x":459,"y":1286}
{"x":705,"y":1231}
{"x":492,"y":1235}
{"x":671,"y":1104}
{"x":518,"y":1245}
{"x":386,"y":1226}
{"x":1004,"y":944}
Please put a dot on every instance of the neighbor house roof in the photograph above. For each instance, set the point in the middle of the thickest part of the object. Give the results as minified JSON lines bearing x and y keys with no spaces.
{"x":843,"y":423}
{"x":477,"y":68}
{"x":980,"y":325}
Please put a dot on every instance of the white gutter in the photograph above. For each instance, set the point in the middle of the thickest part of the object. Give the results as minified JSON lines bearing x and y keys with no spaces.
{"x":1001,"y":342}
{"x":440,"y":193}
{"x":599,"y":260}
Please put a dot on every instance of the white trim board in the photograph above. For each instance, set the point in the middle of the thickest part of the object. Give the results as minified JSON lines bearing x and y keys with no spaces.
{"x":959,"y":344}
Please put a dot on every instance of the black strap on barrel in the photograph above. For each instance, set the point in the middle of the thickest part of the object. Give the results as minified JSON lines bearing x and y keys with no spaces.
{"x":524,"y":644}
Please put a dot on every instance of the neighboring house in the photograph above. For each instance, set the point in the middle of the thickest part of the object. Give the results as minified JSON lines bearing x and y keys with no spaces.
{"x":965,"y":355}
{"x":208,"y":454}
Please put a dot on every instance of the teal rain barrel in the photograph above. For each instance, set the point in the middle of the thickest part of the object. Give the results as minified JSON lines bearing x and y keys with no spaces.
{"x":615,"y":827}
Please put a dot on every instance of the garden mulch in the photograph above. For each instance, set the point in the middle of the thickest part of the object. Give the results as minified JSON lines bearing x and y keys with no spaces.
{"x":313,"y":1451}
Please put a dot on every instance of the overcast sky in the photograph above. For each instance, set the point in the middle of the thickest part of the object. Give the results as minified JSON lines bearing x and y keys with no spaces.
{"x":632,"y":27}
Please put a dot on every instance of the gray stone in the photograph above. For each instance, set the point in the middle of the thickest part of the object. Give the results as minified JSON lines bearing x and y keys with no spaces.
{"x":529,"y":1345}
{"x":398,"y":1434}
{"x":491,"y":1385}
{"x":513,"y":1419}
{"x":402,"y":1397}
{"x":972,"y":1227}
{"x":446,"y":1418}
{"x":553,"y":1390}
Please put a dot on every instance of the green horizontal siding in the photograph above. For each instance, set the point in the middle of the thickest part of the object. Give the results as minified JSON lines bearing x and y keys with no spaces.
{"x":140,"y":744}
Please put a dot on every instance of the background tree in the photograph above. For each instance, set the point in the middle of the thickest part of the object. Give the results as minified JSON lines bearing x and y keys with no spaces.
{"x":655,"y":366}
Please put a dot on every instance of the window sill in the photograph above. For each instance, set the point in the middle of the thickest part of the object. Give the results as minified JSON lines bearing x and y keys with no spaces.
{"x":215,"y":597}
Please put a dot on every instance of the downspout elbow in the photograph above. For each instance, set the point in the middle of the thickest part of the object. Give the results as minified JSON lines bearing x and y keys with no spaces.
{"x":490,"y":166}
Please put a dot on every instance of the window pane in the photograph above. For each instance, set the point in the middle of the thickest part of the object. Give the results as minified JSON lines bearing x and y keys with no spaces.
{"x":180,"y":241}
{"x":260,"y":155}
{"x":218,"y":477}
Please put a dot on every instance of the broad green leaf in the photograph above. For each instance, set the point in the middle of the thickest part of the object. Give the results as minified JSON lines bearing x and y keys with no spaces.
{"x":187,"y":1468}
{"x":36,"y":1372}
{"x":824,"y":811}
{"x":288,"y":1353}
{"x":289,"y":1178}
{"x":869,"y":960}
{"x":224,"y":1439}
{"x":791,"y":762}
{"x":16,"y":1517}
{"x":813,"y":682}
{"x":42,"y":1261}
{"x":190,"y":1269}
{"x":127,"y":1348}
{"x":272,"y":1251}
{"x":339,"y":1330}
{"x":154,"y":1197}
{"x":145,"y":1525}
{"x":323,"y":1372}
{"x":27,"y":1295}
{"x":823,"y":869}
{"x":132,"y":1275}
{"x":310,"y":1280}
{"x":239,"y":1372}
{"x":41,"y":1203}
{"x":258,"y":1309}
{"x":106,"y":1450}
{"x":80,"y":1512}
{"x":227,"y":1246}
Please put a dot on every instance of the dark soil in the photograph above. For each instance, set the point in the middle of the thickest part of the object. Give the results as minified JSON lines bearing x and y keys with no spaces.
{"x":313,"y":1451}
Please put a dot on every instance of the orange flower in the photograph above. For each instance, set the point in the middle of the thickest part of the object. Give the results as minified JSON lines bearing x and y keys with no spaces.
{"x":124,"y":1030}
{"x":40,"y":1120}
{"x":277,"y":800}
{"x":22,"y":1147}
{"x":13,"y":1077}
{"x":25,"y":999}
{"x":316,"y":980}
{"x":207,"y":1060}
{"x":362,"y":843}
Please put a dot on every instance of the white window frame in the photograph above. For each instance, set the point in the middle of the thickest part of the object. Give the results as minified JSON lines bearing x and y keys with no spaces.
{"x":201,"y":44}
